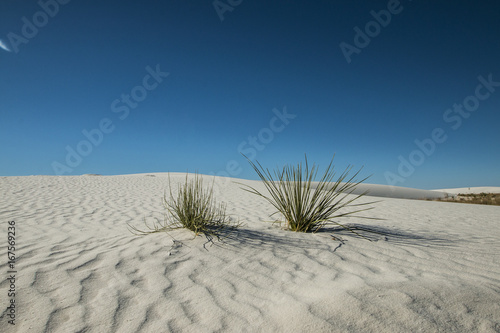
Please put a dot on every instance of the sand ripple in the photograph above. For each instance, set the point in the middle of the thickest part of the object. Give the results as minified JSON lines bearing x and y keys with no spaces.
{"x":433,"y":268}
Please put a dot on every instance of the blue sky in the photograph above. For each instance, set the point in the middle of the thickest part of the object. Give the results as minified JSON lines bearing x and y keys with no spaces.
{"x":181,"y":86}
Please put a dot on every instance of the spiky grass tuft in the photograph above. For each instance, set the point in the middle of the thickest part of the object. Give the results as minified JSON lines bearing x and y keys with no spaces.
{"x":193,"y":208}
{"x":306,"y":205}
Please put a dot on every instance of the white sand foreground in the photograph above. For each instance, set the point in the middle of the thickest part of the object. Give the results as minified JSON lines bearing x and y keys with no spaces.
{"x":78,"y":268}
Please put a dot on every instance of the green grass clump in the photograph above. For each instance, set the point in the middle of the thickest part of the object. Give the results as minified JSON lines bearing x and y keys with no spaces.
{"x":193,"y":208}
{"x":304,"y":206}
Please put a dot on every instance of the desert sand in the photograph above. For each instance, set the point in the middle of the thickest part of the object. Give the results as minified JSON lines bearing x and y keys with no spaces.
{"x":433,"y":266}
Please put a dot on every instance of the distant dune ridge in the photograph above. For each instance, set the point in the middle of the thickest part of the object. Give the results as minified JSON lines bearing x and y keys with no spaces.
{"x":432,"y":266}
{"x":473,"y":190}
{"x":388,"y":191}
{"x":398,"y":192}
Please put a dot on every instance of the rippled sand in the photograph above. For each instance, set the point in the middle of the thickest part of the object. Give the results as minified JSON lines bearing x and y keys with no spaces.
{"x":435,"y":268}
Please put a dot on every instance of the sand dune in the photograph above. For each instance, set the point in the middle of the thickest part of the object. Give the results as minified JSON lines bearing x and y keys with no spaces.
{"x":434,"y":268}
{"x":398,"y":192}
{"x":472,"y":190}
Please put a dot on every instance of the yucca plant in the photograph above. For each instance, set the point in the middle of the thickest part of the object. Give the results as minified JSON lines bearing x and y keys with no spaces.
{"x":193,"y":208}
{"x":306,"y":205}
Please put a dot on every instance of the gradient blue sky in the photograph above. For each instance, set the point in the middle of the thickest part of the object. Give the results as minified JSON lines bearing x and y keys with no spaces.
{"x":227,"y":76}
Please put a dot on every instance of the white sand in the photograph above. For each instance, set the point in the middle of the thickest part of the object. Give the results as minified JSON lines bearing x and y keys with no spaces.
{"x":80,"y":269}
{"x":399,"y":192}
{"x":472,"y":190}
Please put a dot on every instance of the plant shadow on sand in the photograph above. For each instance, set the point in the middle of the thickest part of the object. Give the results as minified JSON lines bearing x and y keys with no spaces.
{"x":295,"y":241}
{"x":391,"y":235}
{"x":273,"y":240}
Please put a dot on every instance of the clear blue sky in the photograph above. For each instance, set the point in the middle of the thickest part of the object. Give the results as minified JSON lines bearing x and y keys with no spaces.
{"x":361,"y":79}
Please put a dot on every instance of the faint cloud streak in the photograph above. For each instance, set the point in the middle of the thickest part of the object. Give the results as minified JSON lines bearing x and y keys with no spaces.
{"x":4,"y":46}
